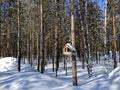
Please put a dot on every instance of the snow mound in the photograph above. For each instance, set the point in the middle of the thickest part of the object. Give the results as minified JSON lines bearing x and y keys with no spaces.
{"x":11,"y":64}
{"x":7,"y":63}
{"x":11,"y":79}
{"x":114,"y":79}
{"x":115,"y":73}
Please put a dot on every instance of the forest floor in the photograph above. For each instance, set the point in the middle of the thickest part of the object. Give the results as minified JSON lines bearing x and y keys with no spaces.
{"x":30,"y":79}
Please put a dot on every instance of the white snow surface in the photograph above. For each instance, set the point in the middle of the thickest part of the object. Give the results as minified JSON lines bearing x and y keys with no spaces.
{"x":31,"y":79}
{"x":71,"y":47}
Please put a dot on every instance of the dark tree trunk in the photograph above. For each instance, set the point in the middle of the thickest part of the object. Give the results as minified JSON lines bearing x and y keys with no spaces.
{"x":56,"y":34}
{"x":8,"y":30}
{"x":0,"y":29}
{"x":19,"y":56}
{"x":28,"y":34}
{"x":42,"y":38}
{"x":38,"y":40}
{"x":114,"y":34}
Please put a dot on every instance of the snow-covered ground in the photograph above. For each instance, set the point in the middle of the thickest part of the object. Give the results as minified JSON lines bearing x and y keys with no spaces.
{"x":31,"y":79}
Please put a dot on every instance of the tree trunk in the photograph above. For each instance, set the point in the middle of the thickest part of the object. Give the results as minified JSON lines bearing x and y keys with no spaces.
{"x":114,"y":33}
{"x":28,"y":33}
{"x":38,"y":39}
{"x":8,"y":30}
{"x":96,"y":54}
{"x":45,"y":50}
{"x":74,"y":69}
{"x":30,"y":39}
{"x":56,"y":34}
{"x":42,"y":38}
{"x":105,"y":26}
{"x":0,"y":29}
{"x":19,"y":57}
{"x":82,"y":40}
{"x":87,"y":42}
{"x":53,"y":61}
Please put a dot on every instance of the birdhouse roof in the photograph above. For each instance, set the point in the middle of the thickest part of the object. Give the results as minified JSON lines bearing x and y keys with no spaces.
{"x":71,"y":47}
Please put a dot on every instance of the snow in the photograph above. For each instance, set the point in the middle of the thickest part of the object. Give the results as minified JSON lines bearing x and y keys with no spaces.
{"x":114,"y":78}
{"x":70,"y":46}
{"x":30,"y":79}
{"x":10,"y":64}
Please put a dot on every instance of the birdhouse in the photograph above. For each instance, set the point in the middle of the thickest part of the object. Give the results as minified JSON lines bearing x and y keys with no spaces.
{"x":69,"y":49}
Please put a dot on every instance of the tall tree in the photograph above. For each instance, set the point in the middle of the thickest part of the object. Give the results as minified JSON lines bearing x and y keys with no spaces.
{"x":56,"y":34}
{"x":0,"y":27}
{"x":86,"y":35}
{"x":19,"y":57}
{"x":42,"y":38}
{"x":81,"y":16}
{"x":74,"y":69}
{"x":38,"y":38}
{"x":105,"y":26}
{"x":8,"y":29}
{"x":28,"y":32}
{"x":114,"y":32}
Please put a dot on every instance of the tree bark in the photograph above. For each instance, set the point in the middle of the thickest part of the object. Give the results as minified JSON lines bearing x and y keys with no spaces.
{"x":28,"y":33}
{"x":42,"y":38}
{"x":38,"y":40}
{"x":105,"y":26}
{"x":0,"y":29}
{"x":74,"y":69}
{"x":56,"y":34}
{"x":114,"y":33}
{"x":19,"y":57}
{"x":8,"y":30}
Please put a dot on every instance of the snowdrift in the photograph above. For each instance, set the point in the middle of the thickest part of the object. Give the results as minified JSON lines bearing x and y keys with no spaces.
{"x":115,"y":73}
{"x":114,"y":79}
{"x":11,"y":64}
{"x":7,"y":64}
{"x":27,"y":79}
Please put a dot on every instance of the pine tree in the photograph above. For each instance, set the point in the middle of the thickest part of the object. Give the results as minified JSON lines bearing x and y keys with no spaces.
{"x":0,"y":28}
{"x":42,"y":38}
{"x":74,"y":68}
{"x":114,"y":32}
{"x":19,"y":57}
{"x":56,"y":35}
{"x":38,"y":38}
{"x":8,"y":29}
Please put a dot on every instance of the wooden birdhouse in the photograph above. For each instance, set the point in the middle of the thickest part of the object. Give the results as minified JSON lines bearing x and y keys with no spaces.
{"x":69,"y":50}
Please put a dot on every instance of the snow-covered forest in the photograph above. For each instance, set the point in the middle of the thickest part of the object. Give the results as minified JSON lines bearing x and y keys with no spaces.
{"x":59,"y":44}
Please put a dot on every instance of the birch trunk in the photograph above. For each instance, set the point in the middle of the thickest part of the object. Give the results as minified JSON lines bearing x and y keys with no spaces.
{"x":105,"y":26}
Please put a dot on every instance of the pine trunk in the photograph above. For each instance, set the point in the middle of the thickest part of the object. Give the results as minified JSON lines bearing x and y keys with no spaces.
{"x":56,"y":34}
{"x":8,"y":30}
{"x":0,"y":29}
{"x":74,"y":69}
{"x":42,"y":38}
{"x":19,"y":61}
{"x":38,"y":39}
{"x":28,"y":34}
{"x":114,"y":34}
